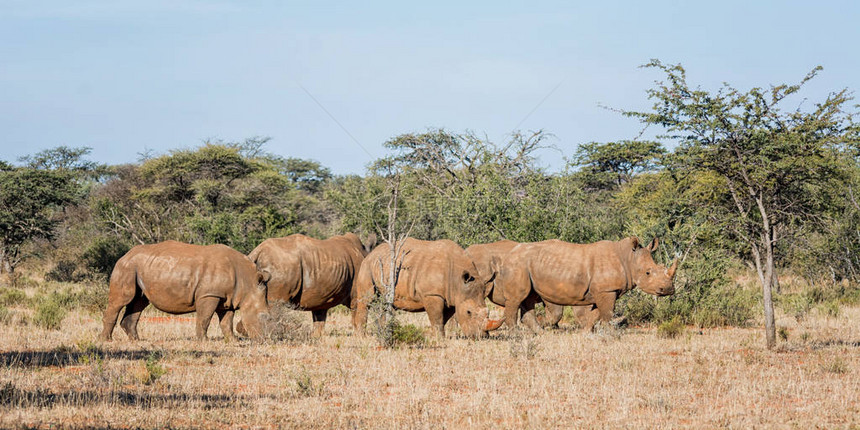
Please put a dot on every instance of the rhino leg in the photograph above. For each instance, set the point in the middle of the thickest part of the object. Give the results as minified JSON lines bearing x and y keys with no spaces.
{"x":529,"y":317}
{"x":359,"y":317}
{"x":205,"y":307}
{"x":132,"y":316}
{"x":319,"y":322}
{"x":122,"y":291}
{"x":583,"y":313}
{"x":447,"y":314}
{"x":604,"y":304}
{"x":110,"y":316}
{"x":517,"y":286}
{"x":435,"y":308}
{"x":225,"y":318}
{"x":552,"y":315}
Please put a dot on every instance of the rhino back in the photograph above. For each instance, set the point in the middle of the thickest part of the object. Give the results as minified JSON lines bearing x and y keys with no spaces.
{"x":428,"y":268}
{"x":174,"y":275}
{"x":570,"y":274}
{"x":312,"y":273}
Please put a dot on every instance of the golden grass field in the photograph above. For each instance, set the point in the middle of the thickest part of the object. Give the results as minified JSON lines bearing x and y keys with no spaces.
{"x":629,"y":378}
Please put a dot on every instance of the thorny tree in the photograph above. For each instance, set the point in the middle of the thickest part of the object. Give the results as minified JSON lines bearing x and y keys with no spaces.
{"x":772,"y":165}
{"x":395,"y":236}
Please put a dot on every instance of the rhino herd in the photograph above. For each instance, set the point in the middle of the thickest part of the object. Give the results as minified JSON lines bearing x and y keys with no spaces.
{"x":437,"y":277}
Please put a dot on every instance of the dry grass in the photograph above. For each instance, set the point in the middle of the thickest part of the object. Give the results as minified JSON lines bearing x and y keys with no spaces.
{"x":562,"y":379}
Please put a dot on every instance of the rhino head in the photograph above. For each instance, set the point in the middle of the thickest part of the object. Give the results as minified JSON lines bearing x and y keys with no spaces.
{"x":648,"y":275}
{"x":470,"y":308}
{"x":254,"y":306}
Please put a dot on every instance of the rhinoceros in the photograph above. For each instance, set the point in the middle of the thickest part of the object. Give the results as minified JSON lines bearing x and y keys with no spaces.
{"x":435,"y":276}
{"x":179,"y":278}
{"x":593,"y":274}
{"x":488,"y":257}
{"x":314,"y":275}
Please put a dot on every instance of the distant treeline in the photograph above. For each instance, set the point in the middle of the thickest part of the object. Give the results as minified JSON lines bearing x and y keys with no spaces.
{"x":747,"y":185}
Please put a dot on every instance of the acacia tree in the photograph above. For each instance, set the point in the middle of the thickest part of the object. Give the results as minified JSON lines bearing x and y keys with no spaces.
{"x":30,"y":200}
{"x":772,"y":163}
{"x":612,"y":164}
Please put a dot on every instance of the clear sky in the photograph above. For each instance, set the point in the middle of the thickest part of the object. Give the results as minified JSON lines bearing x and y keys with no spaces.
{"x":123,"y":77}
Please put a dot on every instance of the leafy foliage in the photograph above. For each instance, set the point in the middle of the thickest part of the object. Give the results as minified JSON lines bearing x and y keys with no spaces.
{"x":747,"y":182}
{"x":29,"y":203}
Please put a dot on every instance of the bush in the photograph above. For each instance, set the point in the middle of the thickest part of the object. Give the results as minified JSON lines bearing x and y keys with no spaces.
{"x":12,"y":297}
{"x":63,"y":271}
{"x":102,"y":254}
{"x":407,"y":335}
{"x":305,"y":386}
{"x":5,"y":315}
{"x":284,"y":323}
{"x":830,"y":308}
{"x":704,"y":296}
{"x":49,"y":313}
{"x":154,"y":369}
{"x":92,"y":298}
{"x":826,"y":297}
{"x":670,"y":329}
{"x":726,"y":306}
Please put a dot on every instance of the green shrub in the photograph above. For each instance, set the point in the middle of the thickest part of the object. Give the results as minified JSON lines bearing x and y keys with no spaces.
{"x":63,"y":271}
{"x":826,"y":297}
{"x":49,"y":313}
{"x":830,"y":308}
{"x":796,"y":305}
{"x":154,"y":369}
{"x":92,"y":297}
{"x":407,"y":334}
{"x":569,"y":317}
{"x":726,"y":306}
{"x":390,"y":332}
{"x":305,"y":386}
{"x":12,"y":297}
{"x":102,"y":254}
{"x":670,"y":329}
{"x":704,"y":296}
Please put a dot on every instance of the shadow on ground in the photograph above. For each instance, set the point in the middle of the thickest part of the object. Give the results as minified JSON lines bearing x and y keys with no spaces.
{"x":67,"y":356}
{"x":13,"y":397}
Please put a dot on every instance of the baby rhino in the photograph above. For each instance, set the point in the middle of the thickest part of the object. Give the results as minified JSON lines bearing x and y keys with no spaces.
{"x":179,"y":278}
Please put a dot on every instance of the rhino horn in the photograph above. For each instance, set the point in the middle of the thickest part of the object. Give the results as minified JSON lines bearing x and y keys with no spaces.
{"x":493,"y":324}
{"x":672,"y":268}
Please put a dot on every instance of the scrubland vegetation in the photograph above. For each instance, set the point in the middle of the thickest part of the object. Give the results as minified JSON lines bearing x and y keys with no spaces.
{"x":634,"y":376}
{"x":757,"y":202}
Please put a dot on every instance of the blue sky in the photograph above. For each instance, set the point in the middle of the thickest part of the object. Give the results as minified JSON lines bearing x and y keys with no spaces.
{"x":123,"y":77}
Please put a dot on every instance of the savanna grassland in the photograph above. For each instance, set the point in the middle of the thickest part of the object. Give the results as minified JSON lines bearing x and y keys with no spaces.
{"x":635,"y":376}
{"x":754,"y":196}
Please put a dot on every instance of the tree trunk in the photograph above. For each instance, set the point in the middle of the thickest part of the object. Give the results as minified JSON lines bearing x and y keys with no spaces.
{"x":392,"y":275}
{"x":766,"y":273}
{"x":776,"y":284}
{"x":767,"y":295}
{"x":6,"y":265}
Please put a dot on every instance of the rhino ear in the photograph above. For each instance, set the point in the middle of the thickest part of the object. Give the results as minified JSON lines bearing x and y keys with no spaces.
{"x":635,"y":241}
{"x":495,"y":267}
{"x":263,"y":277}
{"x":370,"y":243}
{"x":467,"y":277}
{"x":653,"y":245}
